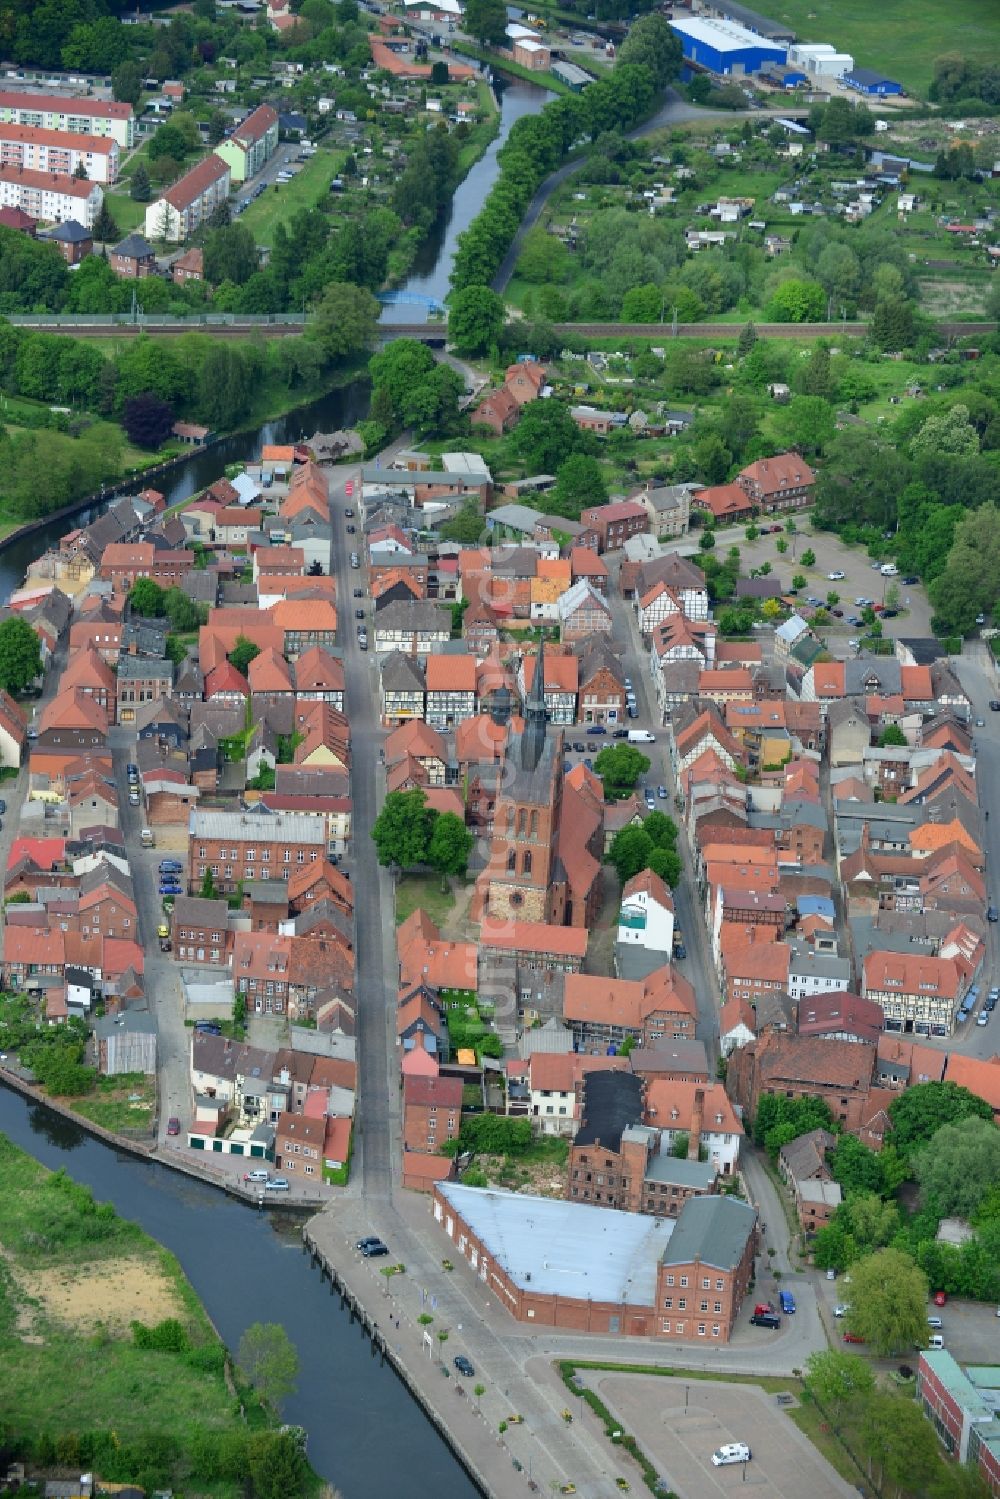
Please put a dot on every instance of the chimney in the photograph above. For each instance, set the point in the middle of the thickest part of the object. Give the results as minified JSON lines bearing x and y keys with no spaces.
{"x":697,"y":1119}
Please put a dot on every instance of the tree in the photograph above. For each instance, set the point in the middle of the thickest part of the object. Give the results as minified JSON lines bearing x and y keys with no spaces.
{"x":958,"y":1166}
{"x":147,"y":420}
{"x":888,"y":1302}
{"x":475,"y":318}
{"x":919,"y":1112}
{"x":781,"y":545}
{"x":970,"y":582}
{"x":899,"y":1443}
{"x":230,"y":255}
{"x":243,"y":652}
{"x":798,"y":581}
{"x":652,"y":44}
{"x":580,"y":483}
{"x":402,"y":830}
{"x":776,"y":1115}
{"x":105,"y":229}
{"x":545,"y":436}
{"x":486,"y":20}
{"x":892,"y":734}
{"x":838,"y":1381}
{"x":208,"y":890}
{"x":20,"y":654}
{"x":808,"y":558}
{"x":620,"y":766}
{"x":949,"y":432}
{"x":139,"y":189}
{"x":268,"y":1358}
{"x":652,"y":846}
{"x":544,"y":259}
{"x":450,"y":845}
{"x":126,"y":83}
{"x":344,"y":320}
{"x":832,"y":599}
{"x":182,"y":611}
{"x":146,"y":598}
{"x":797,"y":302}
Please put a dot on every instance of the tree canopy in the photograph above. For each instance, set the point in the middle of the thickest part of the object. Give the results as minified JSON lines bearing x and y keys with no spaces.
{"x":20,"y":654}
{"x":959,"y":1165}
{"x":402,"y":830}
{"x":919,"y":1112}
{"x":888,"y":1302}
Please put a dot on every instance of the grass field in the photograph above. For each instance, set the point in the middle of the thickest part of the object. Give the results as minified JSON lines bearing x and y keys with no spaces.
{"x":124,"y":1104}
{"x":307,"y":189}
{"x":900,"y":37}
{"x":423,"y":891}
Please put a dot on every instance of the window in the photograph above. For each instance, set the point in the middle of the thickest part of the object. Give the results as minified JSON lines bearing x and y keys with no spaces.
{"x":703,"y":1306}
{"x":701,"y":1329}
{"x":705,"y":1284}
{"x":720,"y":1285}
{"x":684,"y":1280}
{"x":682,"y":1304}
{"x":717,"y":1308}
{"x":670,"y":1280}
{"x":668,"y":1302}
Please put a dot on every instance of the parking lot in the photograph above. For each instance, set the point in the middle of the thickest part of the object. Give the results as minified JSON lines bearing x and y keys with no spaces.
{"x":861,"y":578}
{"x":680,"y":1423}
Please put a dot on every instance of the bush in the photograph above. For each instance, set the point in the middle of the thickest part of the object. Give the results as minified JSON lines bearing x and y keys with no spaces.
{"x":166,"y":1337}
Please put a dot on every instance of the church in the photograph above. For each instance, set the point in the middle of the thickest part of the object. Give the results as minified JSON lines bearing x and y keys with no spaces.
{"x":548,"y":828}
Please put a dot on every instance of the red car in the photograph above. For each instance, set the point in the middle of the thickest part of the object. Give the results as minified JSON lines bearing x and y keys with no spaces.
{"x":763,"y":1308}
{"x":173,"y":1125}
{"x":940,"y":1297}
{"x":853,"y":1337}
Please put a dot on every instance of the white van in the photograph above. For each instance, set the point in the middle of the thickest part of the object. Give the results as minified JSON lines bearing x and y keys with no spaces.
{"x":257,"y":1176}
{"x":733,"y":1452}
{"x":641,"y":736}
{"x":935,"y":1340}
{"x":888,"y":569}
{"x":146,"y":838}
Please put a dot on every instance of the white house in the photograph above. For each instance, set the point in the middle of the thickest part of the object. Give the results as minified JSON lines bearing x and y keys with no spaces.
{"x":59,"y":152}
{"x":646,"y":918}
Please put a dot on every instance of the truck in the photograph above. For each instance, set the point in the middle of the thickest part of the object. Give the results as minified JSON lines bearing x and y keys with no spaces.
{"x":888,"y":569}
{"x":641,"y":736}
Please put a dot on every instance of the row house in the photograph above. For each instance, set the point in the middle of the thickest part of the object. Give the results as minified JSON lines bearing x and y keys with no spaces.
{"x":305,"y":623}
{"x":604,"y":1012}
{"x":141,"y":680}
{"x":583,"y":612}
{"x":918,"y":995}
{"x":450,"y":683}
{"x":602,"y":693}
{"x":200,"y":931}
{"x":122,"y":563}
{"x":417,"y":628}
{"x":52,"y":197}
{"x":562,"y":676}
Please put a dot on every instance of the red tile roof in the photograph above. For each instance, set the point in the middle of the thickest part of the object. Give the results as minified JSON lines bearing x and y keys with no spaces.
{"x":195,"y":182}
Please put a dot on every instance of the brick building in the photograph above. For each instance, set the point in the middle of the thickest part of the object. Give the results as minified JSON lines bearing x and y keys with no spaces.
{"x":616,"y":522}
{"x":432,"y":1112}
{"x":237,"y":846}
{"x":555,"y":1264}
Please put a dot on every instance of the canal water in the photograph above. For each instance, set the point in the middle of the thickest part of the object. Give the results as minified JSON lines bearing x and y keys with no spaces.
{"x":367,"y":1436}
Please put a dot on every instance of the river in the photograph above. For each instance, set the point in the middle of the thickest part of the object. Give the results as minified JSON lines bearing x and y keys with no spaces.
{"x":366,"y":1433}
{"x":341,"y":407}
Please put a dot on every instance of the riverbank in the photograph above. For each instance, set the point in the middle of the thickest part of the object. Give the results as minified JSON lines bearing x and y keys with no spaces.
{"x":76,"y":1274}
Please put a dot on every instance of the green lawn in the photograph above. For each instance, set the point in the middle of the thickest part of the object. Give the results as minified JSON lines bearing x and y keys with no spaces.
{"x":128,"y":214}
{"x":308,"y":188}
{"x":900,"y":37}
{"x":125,"y":1104}
{"x":423,"y":891}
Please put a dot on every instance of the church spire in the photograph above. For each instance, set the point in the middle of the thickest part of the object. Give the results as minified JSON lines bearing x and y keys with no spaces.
{"x":533,"y":738}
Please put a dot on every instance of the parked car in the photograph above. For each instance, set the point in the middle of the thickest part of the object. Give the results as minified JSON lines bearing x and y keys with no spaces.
{"x":463,"y":1365}
{"x":3,"y":806}
{"x":173,"y":1125}
{"x":853,"y":1337}
{"x":911,"y":580}
{"x":940,"y":1298}
{"x":359,"y":614}
{"x":375,"y":1250}
{"x":370,"y":1239}
{"x":359,"y":593}
{"x":278,"y":1184}
{"x":170,"y":890}
{"x":661,"y":792}
{"x":787,"y":1302}
{"x":842,"y":1310}
{"x":596,"y":728}
{"x":836,"y":576}
{"x":621,"y":733}
{"x":992,"y":914}
{"x":935,"y":1322}
{"x":837,"y":613}
{"x":766,"y":1319}
{"x":732,"y":1452}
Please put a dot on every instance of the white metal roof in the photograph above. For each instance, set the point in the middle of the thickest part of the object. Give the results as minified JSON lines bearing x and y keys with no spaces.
{"x":566,"y":1248}
{"x":725,"y":36}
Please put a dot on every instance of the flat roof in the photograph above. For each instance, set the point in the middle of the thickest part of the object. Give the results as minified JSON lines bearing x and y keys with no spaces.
{"x":565,"y":1248}
{"x":949,"y":1372}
